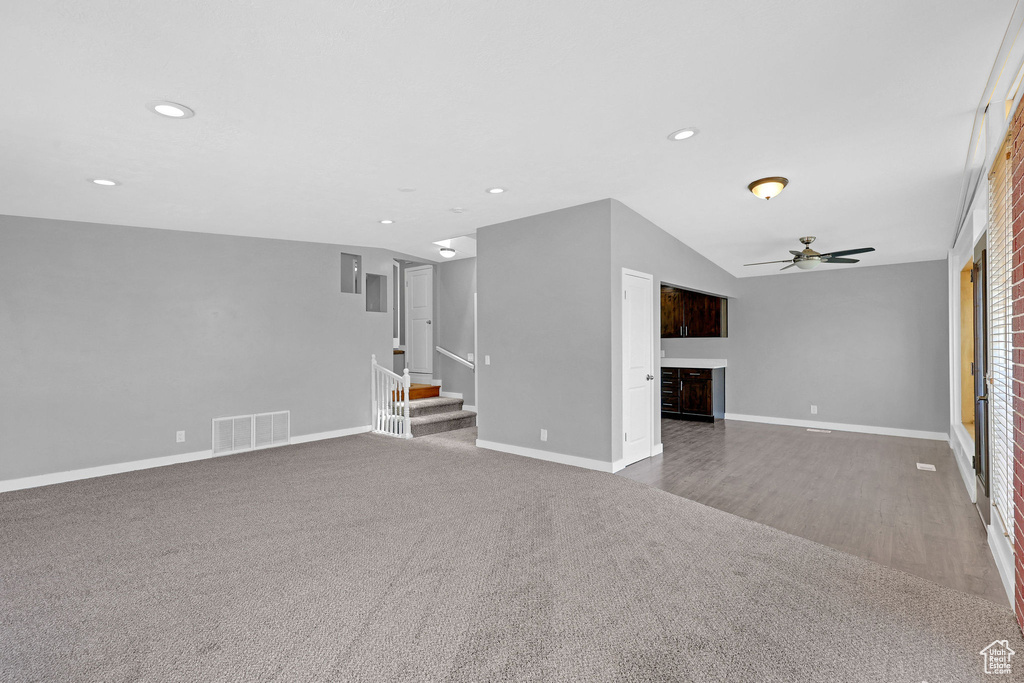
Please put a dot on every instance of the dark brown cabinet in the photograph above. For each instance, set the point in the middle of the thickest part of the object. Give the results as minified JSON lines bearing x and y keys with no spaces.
{"x":691,"y":314}
{"x":693,"y":393}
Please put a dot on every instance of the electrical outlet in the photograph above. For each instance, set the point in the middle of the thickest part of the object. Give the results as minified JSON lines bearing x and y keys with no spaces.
{"x":814,"y":409}
{"x":181,"y":437}
{"x":487,"y":360}
{"x":469,"y":357}
{"x":543,"y":435}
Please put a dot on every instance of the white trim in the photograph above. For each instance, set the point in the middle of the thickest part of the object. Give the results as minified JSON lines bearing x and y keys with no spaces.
{"x":102,"y":470}
{"x":841,"y":427}
{"x":150,"y":463}
{"x":334,"y":434}
{"x":550,"y":456}
{"x":1002,"y":553}
{"x":962,"y":445}
{"x":450,"y":394}
{"x":623,"y":463}
{"x":658,"y":449}
{"x":470,"y":408}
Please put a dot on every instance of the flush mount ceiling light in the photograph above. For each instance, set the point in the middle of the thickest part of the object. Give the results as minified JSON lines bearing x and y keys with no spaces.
{"x":682,"y":134}
{"x":495,"y":190}
{"x":105,"y":182}
{"x":386,"y":221}
{"x":171,"y":110}
{"x":766,"y":188}
{"x":447,"y":252}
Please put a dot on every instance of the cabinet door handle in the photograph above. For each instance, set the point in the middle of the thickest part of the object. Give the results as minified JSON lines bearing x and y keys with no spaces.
{"x":693,"y":374}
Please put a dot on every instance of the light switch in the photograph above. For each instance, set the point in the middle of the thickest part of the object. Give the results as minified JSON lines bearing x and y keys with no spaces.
{"x":487,"y":360}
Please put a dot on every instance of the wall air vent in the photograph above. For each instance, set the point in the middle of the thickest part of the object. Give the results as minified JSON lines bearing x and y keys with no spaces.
{"x":232,"y":434}
{"x":248,"y":432}
{"x":272,"y":429}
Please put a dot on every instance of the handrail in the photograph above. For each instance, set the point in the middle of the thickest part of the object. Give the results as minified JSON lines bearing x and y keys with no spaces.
{"x":460,"y":359}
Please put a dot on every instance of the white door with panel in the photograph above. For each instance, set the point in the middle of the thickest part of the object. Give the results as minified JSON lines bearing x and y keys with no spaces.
{"x":637,"y":365}
{"x":419,"y":302}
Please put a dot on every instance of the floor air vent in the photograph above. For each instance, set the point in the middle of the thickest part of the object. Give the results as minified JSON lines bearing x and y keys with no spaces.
{"x":248,"y":432}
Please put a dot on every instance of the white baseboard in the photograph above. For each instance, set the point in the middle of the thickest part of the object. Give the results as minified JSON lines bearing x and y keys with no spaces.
{"x":469,"y":408}
{"x":1002,"y":552}
{"x":450,"y":394}
{"x":149,"y":463}
{"x":623,"y":463}
{"x":962,"y":446}
{"x":319,"y":436}
{"x":550,"y":456}
{"x":658,"y":450}
{"x":841,"y":427}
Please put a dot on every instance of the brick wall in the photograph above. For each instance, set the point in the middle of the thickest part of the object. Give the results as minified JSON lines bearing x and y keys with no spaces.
{"x":1017,"y":215}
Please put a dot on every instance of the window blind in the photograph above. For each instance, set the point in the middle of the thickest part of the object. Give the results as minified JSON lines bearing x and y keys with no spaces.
{"x":1000,"y":338}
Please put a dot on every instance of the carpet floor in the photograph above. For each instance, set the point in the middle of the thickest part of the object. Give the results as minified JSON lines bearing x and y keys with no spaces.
{"x":372,"y":559}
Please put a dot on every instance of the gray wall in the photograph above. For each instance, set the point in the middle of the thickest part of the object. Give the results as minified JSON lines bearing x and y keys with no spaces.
{"x":544,"y":321}
{"x":115,"y":337}
{"x":867,"y":345}
{"x":456,"y":285}
{"x":638,"y":244}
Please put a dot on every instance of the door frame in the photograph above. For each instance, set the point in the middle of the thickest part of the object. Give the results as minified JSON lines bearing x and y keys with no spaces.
{"x":408,"y":318}
{"x":982,"y":456}
{"x":655,"y":403}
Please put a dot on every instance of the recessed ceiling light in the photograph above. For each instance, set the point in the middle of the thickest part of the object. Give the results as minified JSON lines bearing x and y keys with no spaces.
{"x":407,"y":189}
{"x":457,"y":209}
{"x":171,"y":110}
{"x":447,"y":252}
{"x":682,"y":134}
{"x":386,"y":221}
{"x":105,"y":182}
{"x":495,"y":190}
{"x":766,"y":188}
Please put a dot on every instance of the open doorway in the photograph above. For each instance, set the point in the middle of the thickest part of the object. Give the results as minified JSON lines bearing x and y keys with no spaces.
{"x":967,"y":347}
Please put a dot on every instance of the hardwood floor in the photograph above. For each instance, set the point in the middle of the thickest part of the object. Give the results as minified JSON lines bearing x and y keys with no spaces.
{"x":858,"y":493}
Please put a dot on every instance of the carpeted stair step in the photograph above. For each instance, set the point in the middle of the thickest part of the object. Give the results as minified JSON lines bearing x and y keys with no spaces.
{"x":432,"y":406}
{"x":442,"y":422}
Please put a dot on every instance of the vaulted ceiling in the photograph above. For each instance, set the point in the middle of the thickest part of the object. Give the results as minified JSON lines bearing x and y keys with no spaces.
{"x":312,"y":116}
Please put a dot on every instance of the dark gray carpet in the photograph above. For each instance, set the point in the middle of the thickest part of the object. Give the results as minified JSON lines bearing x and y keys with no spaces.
{"x":375,"y":559}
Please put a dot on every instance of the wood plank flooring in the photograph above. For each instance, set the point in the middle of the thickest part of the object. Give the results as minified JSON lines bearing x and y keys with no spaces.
{"x":858,"y":493}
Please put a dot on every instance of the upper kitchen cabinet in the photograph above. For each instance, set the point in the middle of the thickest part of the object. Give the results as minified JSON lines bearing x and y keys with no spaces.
{"x":686,"y":314}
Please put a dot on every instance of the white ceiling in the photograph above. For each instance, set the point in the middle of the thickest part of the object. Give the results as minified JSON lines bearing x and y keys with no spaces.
{"x":311,"y":114}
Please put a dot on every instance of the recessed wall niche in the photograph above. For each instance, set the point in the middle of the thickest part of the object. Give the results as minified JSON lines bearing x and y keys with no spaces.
{"x":376,"y":293}
{"x":351,"y":273}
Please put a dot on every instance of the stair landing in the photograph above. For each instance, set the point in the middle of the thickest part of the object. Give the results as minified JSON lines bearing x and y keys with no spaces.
{"x":418,"y":391}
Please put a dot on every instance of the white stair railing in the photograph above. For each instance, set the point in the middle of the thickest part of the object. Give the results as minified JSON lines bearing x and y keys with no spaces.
{"x":390,"y":401}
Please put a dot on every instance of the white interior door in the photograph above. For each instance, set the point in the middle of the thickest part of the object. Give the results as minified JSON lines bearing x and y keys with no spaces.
{"x":419,"y":301}
{"x":637,"y":365}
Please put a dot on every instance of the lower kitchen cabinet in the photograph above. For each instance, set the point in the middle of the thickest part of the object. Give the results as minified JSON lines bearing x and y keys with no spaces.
{"x":693,"y":393}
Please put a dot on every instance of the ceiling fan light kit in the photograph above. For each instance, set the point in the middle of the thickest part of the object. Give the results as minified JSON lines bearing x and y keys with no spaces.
{"x":766,"y":188}
{"x":808,"y":259}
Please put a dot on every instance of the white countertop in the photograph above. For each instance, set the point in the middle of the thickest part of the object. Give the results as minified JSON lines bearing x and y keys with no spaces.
{"x":693,"y":362}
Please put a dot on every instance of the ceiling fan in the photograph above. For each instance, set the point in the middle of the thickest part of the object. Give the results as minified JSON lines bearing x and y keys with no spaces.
{"x":808,"y":258}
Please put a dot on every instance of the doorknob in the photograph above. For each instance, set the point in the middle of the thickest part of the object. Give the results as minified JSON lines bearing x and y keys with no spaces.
{"x":428,"y":322}
{"x":650,"y":377}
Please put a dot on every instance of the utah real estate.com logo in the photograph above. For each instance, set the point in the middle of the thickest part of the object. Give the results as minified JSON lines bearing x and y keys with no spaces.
{"x":997,"y":657}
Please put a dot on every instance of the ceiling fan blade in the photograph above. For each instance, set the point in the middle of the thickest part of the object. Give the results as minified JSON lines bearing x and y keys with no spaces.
{"x":839,"y":260}
{"x":848,"y":252}
{"x":789,"y":266}
{"x":789,"y":260}
{"x":796,"y":253}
